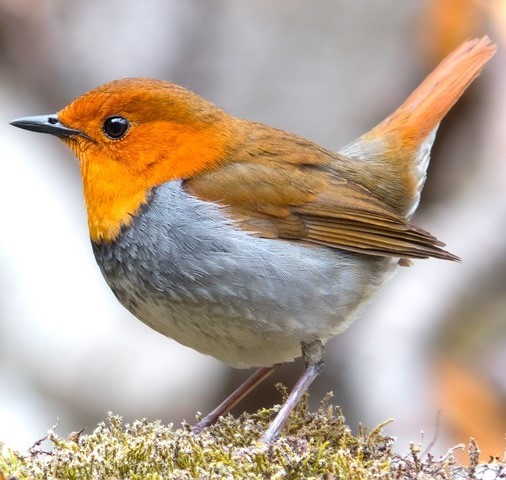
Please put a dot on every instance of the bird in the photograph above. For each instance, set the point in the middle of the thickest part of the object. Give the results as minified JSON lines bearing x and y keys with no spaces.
{"x":246,"y":242}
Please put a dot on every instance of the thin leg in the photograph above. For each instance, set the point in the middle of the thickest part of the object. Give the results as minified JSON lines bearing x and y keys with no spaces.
{"x":313,"y":357}
{"x":235,"y":397}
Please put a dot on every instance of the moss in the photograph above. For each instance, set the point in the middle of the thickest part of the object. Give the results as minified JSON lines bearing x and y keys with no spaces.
{"x":314,"y":445}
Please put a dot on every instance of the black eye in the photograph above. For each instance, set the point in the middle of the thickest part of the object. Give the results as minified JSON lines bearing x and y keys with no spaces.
{"x":116,"y":127}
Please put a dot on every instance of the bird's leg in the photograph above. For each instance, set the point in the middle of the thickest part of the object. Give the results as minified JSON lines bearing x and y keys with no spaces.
{"x":312,"y":353}
{"x":235,"y":397}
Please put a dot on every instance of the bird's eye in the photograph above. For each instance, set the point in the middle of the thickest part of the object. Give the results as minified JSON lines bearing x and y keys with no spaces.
{"x":116,"y":127}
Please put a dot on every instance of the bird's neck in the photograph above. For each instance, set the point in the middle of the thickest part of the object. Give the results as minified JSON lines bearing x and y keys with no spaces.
{"x":112,"y":202}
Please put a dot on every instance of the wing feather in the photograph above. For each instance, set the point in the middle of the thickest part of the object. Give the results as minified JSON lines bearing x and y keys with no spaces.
{"x":282,"y":196}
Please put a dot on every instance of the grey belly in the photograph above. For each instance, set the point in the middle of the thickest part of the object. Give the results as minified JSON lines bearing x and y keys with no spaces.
{"x":258,"y":322}
{"x":187,"y":271}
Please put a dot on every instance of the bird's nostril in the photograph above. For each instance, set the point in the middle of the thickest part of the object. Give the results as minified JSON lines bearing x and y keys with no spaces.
{"x":52,"y":120}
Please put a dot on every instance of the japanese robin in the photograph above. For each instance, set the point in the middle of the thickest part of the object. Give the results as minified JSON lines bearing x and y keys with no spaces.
{"x":242,"y":241}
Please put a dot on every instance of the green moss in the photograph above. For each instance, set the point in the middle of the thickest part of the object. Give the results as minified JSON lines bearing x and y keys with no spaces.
{"x":314,"y":445}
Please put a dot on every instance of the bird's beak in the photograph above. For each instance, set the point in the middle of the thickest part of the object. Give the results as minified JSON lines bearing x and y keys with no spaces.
{"x":46,"y":124}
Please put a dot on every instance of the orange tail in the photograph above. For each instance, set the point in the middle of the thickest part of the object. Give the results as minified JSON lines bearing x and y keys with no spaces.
{"x":431,"y":101}
{"x":401,"y":143}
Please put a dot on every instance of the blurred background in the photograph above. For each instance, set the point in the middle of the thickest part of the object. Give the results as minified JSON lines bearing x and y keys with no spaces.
{"x":430,"y":352}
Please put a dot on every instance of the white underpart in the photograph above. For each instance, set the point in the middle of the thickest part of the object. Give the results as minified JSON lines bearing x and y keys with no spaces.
{"x":420,"y":164}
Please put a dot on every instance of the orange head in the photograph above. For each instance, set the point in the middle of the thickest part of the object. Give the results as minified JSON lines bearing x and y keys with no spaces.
{"x":133,"y":134}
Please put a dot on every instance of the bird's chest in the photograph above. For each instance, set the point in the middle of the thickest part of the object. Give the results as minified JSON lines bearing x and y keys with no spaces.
{"x":191,"y":301}
{"x":185,"y":271}
{"x":210,"y":309}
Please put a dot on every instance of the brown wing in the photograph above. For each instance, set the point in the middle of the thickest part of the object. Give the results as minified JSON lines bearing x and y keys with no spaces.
{"x":283,"y":186}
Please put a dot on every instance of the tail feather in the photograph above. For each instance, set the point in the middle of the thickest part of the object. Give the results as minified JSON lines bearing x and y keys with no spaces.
{"x":400,"y":145}
{"x":431,"y":101}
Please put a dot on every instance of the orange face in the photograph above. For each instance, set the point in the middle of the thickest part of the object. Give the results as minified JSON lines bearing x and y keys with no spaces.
{"x":137,"y":134}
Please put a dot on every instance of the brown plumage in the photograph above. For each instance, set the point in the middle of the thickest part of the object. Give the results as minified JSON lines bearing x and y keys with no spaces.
{"x":280,"y":185}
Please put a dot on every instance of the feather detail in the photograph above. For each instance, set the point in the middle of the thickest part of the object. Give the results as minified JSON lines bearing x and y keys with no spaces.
{"x":397,"y":151}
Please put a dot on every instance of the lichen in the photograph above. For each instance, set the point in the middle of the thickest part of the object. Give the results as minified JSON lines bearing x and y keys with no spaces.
{"x":313,"y":446}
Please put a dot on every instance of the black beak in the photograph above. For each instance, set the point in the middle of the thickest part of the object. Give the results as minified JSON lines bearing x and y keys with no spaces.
{"x":46,"y":124}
